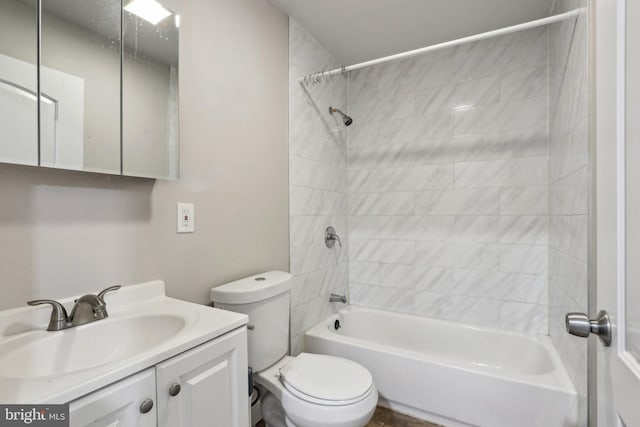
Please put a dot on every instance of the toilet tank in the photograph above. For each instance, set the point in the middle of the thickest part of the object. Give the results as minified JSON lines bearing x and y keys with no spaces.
{"x":265,"y":299}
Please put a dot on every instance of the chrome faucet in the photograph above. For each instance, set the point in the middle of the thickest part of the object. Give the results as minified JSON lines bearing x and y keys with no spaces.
{"x":338,"y":298}
{"x":88,"y":308}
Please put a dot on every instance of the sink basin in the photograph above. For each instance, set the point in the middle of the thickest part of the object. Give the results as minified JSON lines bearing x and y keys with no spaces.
{"x":145,"y":327}
{"x":42,"y":354}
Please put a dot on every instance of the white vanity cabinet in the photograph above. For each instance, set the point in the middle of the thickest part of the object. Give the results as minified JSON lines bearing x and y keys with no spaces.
{"x":119,"y":405}
{"x":204,"y":386}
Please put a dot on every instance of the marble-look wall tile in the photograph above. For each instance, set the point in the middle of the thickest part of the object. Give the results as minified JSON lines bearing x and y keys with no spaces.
{"x":530,"y":259}
{"x":478,"y":256}
{"x":479,"y":229}
{"x":397,"y":276}
{"x":315,"y":174}
{"x":436,"y":279}
{"x":531,"y":83}
{"x":448,"y":169}
{"x":485,"y":91}
{"x":570,"y":194}
{"x":483,"y":311}
{"x":570,"y":274}
{"x":524,"y":200}
{"x":433,"y":100}
{"x":527,"y":230}
{"x":458,"y":202}
{"x":569,"y":152}
{"x":364,"y":273}
{"x":516,"y":287}
{"x":317,"y":283}
{"x":502,"y":173}
{"x":415,"y":178}
{"x":423,"y":152}
{"x":401,"y":203}
{"x":505,"y":115}
{"x":318,"y":177}
{"x":384,"y":251}
{"x":525,"y":317}
{"x":312,"y":201}
{"x":406,"y":130}
{"x":386,"y":298}
{"x":569,"y":234}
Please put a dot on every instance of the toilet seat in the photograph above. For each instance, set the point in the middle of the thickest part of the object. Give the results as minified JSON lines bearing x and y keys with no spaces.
{"x":326,"y":380}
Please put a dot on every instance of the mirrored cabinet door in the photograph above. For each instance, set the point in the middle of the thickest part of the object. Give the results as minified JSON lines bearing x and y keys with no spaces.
{"x":80,"y":85}
{"x":150,"y":89}
{"x":107,"y":85}
{"x":18,"y":82}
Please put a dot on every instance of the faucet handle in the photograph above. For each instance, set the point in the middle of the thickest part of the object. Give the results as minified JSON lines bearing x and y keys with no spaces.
{"x":330,"y":237}
{"x":109,"y":289}
{"x":59,"y":316}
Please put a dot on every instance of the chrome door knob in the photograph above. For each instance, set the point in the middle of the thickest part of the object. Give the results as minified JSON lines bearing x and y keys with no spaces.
{"x":580,"y":325}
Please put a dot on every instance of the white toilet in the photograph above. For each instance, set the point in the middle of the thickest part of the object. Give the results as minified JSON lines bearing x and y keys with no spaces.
{"x":309,"y":390}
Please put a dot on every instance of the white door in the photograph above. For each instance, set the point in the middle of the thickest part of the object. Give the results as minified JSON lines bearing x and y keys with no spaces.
{"x":617,"y":84}
{"x":127,"y":403}
{"x":206,"y":386}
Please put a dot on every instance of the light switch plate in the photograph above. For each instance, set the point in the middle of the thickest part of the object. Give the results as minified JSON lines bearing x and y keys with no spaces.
{"x":185,"y":218}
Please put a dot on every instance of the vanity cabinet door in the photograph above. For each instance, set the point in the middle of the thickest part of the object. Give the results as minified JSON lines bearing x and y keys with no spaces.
{"x":206,"y":386}
{"x":119,"y":405}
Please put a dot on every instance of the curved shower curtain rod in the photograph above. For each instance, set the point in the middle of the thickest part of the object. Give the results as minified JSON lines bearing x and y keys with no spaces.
{"x":321,"y":76}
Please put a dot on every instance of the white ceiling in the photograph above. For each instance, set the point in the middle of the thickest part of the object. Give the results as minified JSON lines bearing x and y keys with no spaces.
{"x":359,"y":30}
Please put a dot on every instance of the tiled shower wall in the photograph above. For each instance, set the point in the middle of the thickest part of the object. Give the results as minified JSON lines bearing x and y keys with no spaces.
{"x":448,"y":184}
{"x":569,"y":185}
{"x":318,"y":185}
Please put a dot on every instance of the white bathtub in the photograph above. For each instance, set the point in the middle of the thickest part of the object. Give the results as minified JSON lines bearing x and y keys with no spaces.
{"x":453,"y":373}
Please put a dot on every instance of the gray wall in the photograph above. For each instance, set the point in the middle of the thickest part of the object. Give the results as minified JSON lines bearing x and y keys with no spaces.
{"x":64,"y":233}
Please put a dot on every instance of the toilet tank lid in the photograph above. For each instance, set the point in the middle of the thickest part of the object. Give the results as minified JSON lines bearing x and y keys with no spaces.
{"x":252,"y":289}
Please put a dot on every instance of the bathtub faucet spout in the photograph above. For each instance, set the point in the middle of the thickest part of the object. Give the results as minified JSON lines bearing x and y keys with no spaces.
{"x":338,"y":298}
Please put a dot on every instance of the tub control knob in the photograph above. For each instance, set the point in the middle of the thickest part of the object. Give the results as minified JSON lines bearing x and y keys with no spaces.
{"x":330,"y":237}
{"x":578,"y":324}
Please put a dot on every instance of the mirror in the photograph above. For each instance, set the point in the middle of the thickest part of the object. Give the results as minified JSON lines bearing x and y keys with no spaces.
{"x":80,"y":84}
{"x":108,"y":82}
{"x":19,"y":82}
{"x":150,"y":90}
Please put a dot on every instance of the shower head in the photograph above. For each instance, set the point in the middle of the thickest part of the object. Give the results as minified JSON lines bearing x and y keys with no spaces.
{"x":346,"y":119}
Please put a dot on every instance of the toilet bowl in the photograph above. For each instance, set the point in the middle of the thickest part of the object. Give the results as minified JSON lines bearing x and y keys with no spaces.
{"x":319,"y":391}
{"x":307,"y":390}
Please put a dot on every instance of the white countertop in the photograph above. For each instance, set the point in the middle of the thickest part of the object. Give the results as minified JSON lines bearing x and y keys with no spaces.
{"x":201,"y":324}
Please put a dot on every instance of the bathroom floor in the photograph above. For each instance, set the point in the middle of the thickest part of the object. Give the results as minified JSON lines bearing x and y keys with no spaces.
{"x":385,"y":417}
